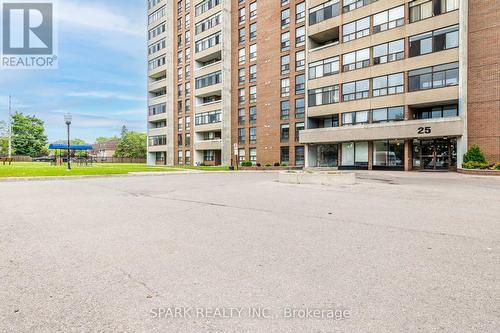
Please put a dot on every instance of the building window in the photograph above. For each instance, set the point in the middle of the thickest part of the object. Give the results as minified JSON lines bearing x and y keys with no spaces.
{"x":323,"y":96}
{"x":241,"y":76}
{"x":389,"y":52}
{"x":324,"y":67}
{"x":388,"y":85}
{"x":299,"y":156}
{"x":433,"y":77}
{"x":284,"y":110}
{"x":253,"y":135}
{"x":241,"y":155}
{"x":253,"y":31}
{"x":241,"y":35}
{"x":252,"y":115}
{"x":284,"y":155}
{"x":355,"y":118}
{"x":210,"y":117}
{"x":241,"y":116}
{"x":252,"y":94}
{"x":241,"y":136}
{"x":300,"y":60}
{"x":300,"y":36}
{"x":388,"y":114}
{"x":355,"y":90}
{"x":253,"y":73}
{"x":356,"y":60}
{"x":253,"y":155}
{"x":241,"y":56}
{"x":388,"y":153}
{"x":285,"y":87}
{"x":241,"y":95}
{"x":284,"y":132}
{"x":285,"y":64}
{"x":389,"y":19}
{"x":434,"y":41}
{"x":421,"y":9}
{"x":300,"y":84}
{"x":285,"y":18}
{"x":285,"y":41}
{"x":300,"y":108}
{"x":298,"y":127}
{"x":208,"y":155}
{"x":356,"y":29}
{"x":324,"y":11}
{"x":436,"y":112}
{"x":253,"y":52}
{"x":300,"y":12}
{"x":355,"y":154}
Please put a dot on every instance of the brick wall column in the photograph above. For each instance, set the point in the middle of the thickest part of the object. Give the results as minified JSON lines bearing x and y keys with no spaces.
{"x":408,"y":155}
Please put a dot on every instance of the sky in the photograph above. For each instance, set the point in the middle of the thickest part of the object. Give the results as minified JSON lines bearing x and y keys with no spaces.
{"x":101,"y":79}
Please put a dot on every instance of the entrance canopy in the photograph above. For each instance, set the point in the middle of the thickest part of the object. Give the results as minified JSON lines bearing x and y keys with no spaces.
{"x":72,"y":147}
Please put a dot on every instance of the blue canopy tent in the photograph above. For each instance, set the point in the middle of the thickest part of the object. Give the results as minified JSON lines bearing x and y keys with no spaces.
{"x":72,"y":147}
{"x":64,"y":147}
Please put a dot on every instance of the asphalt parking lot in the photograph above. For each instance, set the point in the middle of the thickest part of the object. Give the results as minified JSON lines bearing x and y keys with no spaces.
{"x":239,"y":252}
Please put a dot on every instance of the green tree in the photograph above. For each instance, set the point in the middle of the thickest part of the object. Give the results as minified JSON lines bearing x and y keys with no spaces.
{"x":132,"y":145}
{"x":474,"y":154}
{"x":4,"y":139}
{"x":103,"y":139}
{"x":124,"y":130}
{"x":28,"y":135}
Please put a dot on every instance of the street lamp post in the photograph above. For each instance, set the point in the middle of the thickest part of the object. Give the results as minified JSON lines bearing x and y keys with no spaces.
{"x":67,"y":119}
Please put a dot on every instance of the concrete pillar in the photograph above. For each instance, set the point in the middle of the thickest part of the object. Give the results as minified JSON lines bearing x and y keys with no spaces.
{"x":370,"y":155}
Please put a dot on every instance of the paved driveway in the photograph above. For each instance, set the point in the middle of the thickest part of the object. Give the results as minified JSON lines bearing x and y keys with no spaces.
{"x":398,"y":252}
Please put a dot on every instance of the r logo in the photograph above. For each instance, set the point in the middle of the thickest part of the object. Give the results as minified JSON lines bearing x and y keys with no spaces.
{"x":27,"y":28}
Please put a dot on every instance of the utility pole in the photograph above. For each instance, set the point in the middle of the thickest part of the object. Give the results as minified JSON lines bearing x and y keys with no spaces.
{"x":10,"y":126}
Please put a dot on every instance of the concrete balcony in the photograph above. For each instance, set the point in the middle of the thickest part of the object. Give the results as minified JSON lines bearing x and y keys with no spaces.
{"x":209,"y":145}
{"x":157,"y":100}
{"x":157,"y":85}
{"x":154,"y":149}
{"x":208,"y":127}
{"x":209,"y":54}
{"x":404,"y":65}
{"x":216,"y":66}
{"x":211,"y":106}
{"x":423,"y":128}
{"x":208,"y":91}
{"x":158,"y":71}
{"x":157,"y":131}
{"x":430,"y":96}
{"x":157,"y":117}
{"x":406,"y":30}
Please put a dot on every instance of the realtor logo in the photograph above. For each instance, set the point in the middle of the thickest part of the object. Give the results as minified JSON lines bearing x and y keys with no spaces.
{"x":28,"y":35}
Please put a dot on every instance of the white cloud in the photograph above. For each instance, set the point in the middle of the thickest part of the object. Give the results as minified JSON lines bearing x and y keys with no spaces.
{"x":97,"y":17}
{"x":107,"y":95}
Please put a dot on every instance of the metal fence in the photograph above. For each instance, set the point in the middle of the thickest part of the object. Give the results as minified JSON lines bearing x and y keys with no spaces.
{"x":120,"y":160}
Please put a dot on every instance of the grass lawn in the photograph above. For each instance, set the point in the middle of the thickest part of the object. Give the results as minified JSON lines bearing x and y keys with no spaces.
{"x":34,"y":169}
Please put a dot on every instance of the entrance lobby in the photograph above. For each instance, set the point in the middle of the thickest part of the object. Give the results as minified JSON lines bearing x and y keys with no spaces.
{"x":435,"y":154}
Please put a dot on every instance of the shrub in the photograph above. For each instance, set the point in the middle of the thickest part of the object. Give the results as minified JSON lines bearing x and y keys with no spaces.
{"x":246,"y":163}
{"x":268,"y":165}
{"x":475,"y":165}
{"x":277,"y":164}
{"x":284,"y":164}
{"x":259,"y":165}
{"x":496,"y":166}
{"x":474,"y":154}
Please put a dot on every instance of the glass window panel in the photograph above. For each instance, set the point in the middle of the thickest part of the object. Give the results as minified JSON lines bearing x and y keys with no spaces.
{"x":348,"y":153}
{"x":361,"y":152}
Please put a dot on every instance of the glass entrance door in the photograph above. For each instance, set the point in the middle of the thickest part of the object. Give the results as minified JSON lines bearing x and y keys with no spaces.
{"x":437,"y":154}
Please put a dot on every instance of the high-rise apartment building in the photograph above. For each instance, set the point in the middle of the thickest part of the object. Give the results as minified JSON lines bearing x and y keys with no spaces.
{"x":370,"y":84}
